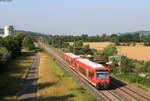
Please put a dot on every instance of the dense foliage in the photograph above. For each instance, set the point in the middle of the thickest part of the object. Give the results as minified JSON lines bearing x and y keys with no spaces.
{"x":11,"y":46}
{"x":109,"y":51}
{"x":118,"y":39}
{"x":28,"y":42}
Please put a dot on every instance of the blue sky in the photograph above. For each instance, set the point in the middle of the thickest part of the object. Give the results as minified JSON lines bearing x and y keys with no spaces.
{"x":76,"y":16}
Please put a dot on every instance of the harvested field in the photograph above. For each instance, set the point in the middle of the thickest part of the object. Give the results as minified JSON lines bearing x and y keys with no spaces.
{"x":139,"y":51}
{"x":135,"y":52}
{"x":98,"y":45}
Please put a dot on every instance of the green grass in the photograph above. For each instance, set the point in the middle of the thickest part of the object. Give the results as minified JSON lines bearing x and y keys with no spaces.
{"x":136,"y":80}
{"x":60,"y":85}
{"x":12,"y":80}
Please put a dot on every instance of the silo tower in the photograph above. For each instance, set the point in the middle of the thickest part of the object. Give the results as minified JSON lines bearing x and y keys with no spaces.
{"x":8,"y":30}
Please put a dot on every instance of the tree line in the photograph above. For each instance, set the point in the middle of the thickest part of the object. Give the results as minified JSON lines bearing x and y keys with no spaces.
{"x":118,"y":39}
{"x":10,"y":47}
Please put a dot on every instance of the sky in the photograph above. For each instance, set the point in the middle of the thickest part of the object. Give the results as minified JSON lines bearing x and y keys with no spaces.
{"x":76,"y":17}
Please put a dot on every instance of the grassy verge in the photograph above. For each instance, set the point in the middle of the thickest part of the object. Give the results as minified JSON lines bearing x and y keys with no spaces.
{"x":136,"y":80}
{"x":12,"y":80}
{"x":57,"y":85}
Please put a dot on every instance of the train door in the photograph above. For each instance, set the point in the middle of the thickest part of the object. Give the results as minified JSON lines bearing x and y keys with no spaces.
{"x":90,"y":75}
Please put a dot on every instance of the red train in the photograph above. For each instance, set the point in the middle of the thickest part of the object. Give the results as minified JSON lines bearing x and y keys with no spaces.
{"x":95,"y":73}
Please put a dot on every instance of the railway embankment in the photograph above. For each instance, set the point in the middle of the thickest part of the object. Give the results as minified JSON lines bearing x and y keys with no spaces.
{"x":55,"y":84}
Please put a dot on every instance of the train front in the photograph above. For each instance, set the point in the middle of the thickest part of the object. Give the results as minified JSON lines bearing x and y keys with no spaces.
{"x":102,"y":78}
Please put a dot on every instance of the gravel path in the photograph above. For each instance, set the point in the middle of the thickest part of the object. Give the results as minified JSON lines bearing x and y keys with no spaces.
{"x":29,"y":90}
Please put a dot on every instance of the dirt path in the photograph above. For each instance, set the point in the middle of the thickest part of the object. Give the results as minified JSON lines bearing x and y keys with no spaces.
{"x":29,"y":90}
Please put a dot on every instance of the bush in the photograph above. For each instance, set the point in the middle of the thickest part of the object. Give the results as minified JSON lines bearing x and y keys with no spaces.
{"x":4,"y":57}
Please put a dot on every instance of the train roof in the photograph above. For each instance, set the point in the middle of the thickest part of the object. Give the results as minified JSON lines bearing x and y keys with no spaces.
{"x":72,"y":55}
{"x":90,"y":63}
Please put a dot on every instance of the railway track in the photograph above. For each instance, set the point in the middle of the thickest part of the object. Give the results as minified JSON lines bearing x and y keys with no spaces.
{"x":130,"y":91}
{"x":117,"y":91}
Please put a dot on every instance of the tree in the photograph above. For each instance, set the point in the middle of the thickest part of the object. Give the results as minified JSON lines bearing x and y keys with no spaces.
{"x":78,"y":44}
{"x":109,"y":51}
{"x":126,"y":65}
{"x":114,"y":38}
{"x":19,"y":37}
{"x":28,"y":43}
{"x":146,"y":67}
{"x":87,"y":50}
{"x":12,"y":44}
{"x":147,"y":40}
{"x":136,"y":37}
{"x":4,"y":57}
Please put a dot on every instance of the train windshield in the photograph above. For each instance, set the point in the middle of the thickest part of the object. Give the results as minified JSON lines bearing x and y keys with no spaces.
{"x":102,"y":74}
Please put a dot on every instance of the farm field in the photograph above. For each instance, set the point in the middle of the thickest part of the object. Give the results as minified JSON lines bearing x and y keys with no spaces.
{"x":139,"y":51}
{"x":135,"y":52}
{"x":57,"y":85}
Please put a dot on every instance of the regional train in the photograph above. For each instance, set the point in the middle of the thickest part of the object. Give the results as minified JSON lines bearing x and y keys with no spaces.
{"x":97,"y":74}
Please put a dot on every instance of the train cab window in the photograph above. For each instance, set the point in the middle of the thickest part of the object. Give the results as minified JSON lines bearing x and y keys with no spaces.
{"x":102,"y":74}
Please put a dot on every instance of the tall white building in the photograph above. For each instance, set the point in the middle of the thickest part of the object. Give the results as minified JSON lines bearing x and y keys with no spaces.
{"x":8,"y":30}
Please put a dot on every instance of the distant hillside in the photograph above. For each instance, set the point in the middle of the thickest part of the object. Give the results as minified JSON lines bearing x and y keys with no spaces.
{"x":144,"y":32}
{"x":140,"y":32}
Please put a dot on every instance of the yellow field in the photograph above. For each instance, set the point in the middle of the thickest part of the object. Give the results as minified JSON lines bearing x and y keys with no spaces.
{"x":98,"y":45}
{"x":135,"y":52}
{"x":139,"y":51}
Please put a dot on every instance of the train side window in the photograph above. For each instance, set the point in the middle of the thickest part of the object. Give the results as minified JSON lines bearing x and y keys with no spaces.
{"x":82,"y":70}
{"x":69,"y":61}
{"x":76,"y":65}
{"x":90,"y":75}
